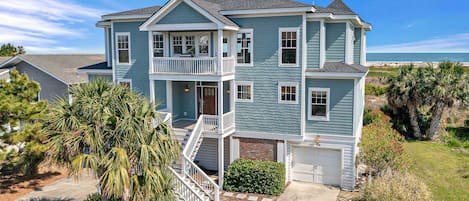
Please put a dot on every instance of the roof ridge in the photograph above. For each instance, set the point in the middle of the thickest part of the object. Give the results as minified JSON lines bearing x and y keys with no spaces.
{"x":341,"y":6}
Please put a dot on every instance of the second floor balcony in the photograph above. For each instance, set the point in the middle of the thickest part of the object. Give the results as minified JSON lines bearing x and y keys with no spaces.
{"x":203,"y":66}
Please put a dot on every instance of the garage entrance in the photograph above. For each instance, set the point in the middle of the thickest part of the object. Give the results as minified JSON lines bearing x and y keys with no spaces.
{"x":317,"y":165}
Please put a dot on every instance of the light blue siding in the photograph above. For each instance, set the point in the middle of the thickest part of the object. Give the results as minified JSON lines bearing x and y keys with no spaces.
{"x":335,"y":41}
{"x":138,"y":68}
{"x":340,"y":111}
{"x":357,"y":45}
{"x":312,"y":44}
{"x":92,"y":77}
{"x":265,"y":114}
{"x":184,"y":102}
{"x":183,"y":13}
{"x":160,"y":94}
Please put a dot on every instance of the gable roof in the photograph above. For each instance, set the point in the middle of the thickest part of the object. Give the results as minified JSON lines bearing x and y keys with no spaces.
{"x":61,"y":67}
{"x":257,"y":4}
{"x":147,"y":11}
{"x":338,"y":7}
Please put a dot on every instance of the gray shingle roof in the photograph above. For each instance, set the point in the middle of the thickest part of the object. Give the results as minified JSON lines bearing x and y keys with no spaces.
{"x":3,"y":59}
{"x":257,"y":4}
{"x":140,"y":11}
{"x":214,"y":10}
{"x":340,"y":67}
{"x":337,"y":7}
{"x":97,"y":66}
{"x":62,"y":66}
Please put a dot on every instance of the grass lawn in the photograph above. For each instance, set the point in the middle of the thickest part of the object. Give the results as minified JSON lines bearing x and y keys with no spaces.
{"x":444,"y":171}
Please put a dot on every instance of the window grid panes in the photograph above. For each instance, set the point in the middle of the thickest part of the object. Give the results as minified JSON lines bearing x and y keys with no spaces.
{"x":203,"y":45}
{"x":288,"y":93}
{"x":177,"y":44}
{"x":158,"y":45}
{"x":244,"y":46}
{"x":123,"y":48}
{"x":225,"y":47}
{"x":244,"y":92}
{"x":190,"y":45}
{"x":289,"y":46}
{"x":319,"y":103}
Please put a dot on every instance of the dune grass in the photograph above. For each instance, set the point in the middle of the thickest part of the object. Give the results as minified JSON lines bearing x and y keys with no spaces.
{"x":445,"y":171}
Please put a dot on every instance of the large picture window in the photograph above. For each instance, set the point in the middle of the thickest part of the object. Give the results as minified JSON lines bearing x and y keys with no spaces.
{"x":158,"y":45}
{"x":288,"y":50}
{"x":190,"y":44}
{"x":244,"y":47}
{"x":123,"y":48}
{"x":244,"y":91}
{"x":319,"y":104}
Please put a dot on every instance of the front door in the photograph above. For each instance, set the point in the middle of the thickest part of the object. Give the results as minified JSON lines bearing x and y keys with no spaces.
{"x":207,"y":100}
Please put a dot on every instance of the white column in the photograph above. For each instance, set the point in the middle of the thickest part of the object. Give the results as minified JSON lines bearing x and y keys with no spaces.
{"x":234,"y":149}
{"x":322,"y":44}
{"x":232,"y":96}
{"x":280,"y":152}
{"x":220,"y":50}
{"x":152,"y":91}
{"x":233,"y":44}
{"x":220,"y":107}
{"x":169,"y":96}
{"x":221,"y":167}
{"x":363,"y":48}
{"x":348,"y":43}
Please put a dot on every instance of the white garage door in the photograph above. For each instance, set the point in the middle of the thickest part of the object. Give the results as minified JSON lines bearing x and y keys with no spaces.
{"x":316,"y":165}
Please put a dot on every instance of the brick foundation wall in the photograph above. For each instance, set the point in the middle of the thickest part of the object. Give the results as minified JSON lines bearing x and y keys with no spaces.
{"x":258,"y":149}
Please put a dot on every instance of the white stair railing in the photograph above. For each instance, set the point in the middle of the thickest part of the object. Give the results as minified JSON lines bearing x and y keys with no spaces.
{"x":228,"y":120}
{"x":183,"y":188}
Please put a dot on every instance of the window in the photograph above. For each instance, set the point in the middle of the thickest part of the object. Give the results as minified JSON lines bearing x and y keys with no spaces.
{"x":190,"y":45}
{"x":287,"y":92}
{"x":244,"y":91}
{"x":177,"y":45}
{"x":127,"y":83}
{"x":123,"y":48}
{"x":244,"y":47}
{"x":288,"y":50}
{"x":158,"y":45}
{"x":225,"y":47}
{"x":319,"y":104}
{"x":203,"y":45}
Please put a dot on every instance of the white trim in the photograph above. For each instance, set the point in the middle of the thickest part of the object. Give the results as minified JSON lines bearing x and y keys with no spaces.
{"x":5,"y":72}
{"x":288,"y":84}
{"x":267,"y":15}
{"x":280,"y":46}
{"x":101,"y":24}
{"x":330,"y":16}
{"x":125,"y":17}
{"x":152,"y":91}
{"x":197,"y":36}
{"x":304,"y":58}
{"x":150,"y":51}
{"x":349,"y":43}
{"x":182,"y":27}
{"x":328,"y":104}
{"x":251,"y":31}
{"x":124,"y":81}
{"x":268,"y":136}
{"x":267,"y":11}
{"x":203,"y":78}
{"x":245,"y":83}
{"x":129,"y":47}
{"x":322,"y":43}
{"x":363,"y":48}
{"x":169,"y":95}
{"x":333,"y":75}
{"x":106,"y":43}
{"x":113,"y":53}
{"x":19,"y":58}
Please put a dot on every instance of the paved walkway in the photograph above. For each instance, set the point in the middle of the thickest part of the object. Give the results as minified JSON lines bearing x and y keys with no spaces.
{"x":67,"y":189}
{"x":298,"y":191}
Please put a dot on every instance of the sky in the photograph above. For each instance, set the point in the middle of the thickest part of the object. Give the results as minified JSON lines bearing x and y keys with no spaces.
{"x":68,"y":26}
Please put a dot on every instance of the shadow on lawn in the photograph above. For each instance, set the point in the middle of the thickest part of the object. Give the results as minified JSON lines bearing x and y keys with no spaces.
{"x":10,"y":182}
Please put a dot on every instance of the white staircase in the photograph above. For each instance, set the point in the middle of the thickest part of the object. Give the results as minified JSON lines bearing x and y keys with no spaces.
{"x":191,"y":183}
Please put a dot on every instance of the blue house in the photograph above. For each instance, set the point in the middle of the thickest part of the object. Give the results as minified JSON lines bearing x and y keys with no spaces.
{"x":260,"y":79}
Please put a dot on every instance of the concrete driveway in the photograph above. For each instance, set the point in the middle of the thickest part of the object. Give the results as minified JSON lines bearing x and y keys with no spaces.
{"x":299,"y":191}
{"x":67,"y":189}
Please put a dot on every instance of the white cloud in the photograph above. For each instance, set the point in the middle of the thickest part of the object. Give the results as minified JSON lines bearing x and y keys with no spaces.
{"x":39,"y":24}
{"x":452,"y":43}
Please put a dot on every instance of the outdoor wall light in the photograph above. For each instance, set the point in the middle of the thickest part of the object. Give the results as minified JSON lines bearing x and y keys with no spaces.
{"x":228,"y":91}
{"x":187,"y":89}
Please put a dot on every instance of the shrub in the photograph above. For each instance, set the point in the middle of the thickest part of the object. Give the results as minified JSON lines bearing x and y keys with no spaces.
{"x":397,"y":187}
{"x":466,"y":123}
{"x":97,"y":197}
{"x":255,"y":176}
{"x":381,"y":147}
{"x":377,"y":90}
{"x":374,"y":116}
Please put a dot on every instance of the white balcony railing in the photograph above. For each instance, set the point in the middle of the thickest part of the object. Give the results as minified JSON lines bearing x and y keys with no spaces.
{"x":192,"y":66}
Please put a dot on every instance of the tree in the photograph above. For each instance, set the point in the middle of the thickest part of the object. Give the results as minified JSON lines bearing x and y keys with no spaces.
{"x":10,"y":50}
{"x":108,"y":129}
{"x":405,"y":90}
{"x":19,"y":108}
{"x":445,"y":86}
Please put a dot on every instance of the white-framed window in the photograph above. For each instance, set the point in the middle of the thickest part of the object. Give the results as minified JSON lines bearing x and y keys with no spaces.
{"x":177,"y":45}
{"x":190,"y":44}
{"x":225,"y":46}
{"x":288,"y":47}
{"x":125,"y":82}
{"x":244,"y":91}
{"x":204,"y":45}
{"x":319,"y":103}
{"x":158,"y":45}
{"x":123,"y":47}
{"x":288,"y":92}
{"x":245,"y":40}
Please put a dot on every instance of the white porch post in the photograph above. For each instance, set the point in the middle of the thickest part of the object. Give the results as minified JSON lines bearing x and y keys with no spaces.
{"x":221,"y":167}
{"x":232,"y":96}
{"x":220,"y":107}
{"x":169,"y":96}
{"x":322,"y":44}
{"x":152,"y":91}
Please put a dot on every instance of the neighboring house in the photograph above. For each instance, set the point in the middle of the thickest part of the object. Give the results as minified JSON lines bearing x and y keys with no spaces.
{"x":4,"y":73}
{"x":268,"y":79}
{"x":55,"y":73}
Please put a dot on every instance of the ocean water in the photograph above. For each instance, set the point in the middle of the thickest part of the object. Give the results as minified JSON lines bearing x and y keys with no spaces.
{"x":417,"y":57}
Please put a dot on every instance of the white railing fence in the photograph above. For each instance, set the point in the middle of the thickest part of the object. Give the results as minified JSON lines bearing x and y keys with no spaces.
{"x":193,"y":65}
{"x":228,"y":120}
{"x":183,"y":188}
{"x":202,"y":180}
{"x":210,"y":123}
{"x":163,"y":117}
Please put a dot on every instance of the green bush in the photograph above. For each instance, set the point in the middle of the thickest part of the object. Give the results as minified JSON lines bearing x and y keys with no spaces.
{"x":466,"y":123}
{"x":376,"y":90}
{"x":381,"y":147}
{"x":97,"y":197}
{"x":255,"y":176}
{"x":373,"y":116}
{"x":397,"y":187}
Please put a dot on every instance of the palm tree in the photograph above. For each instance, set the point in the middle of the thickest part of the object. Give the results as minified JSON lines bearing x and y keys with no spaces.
{"x":405,"y":91}
{"x":108,"y":129}
{"x":447,"y":85}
